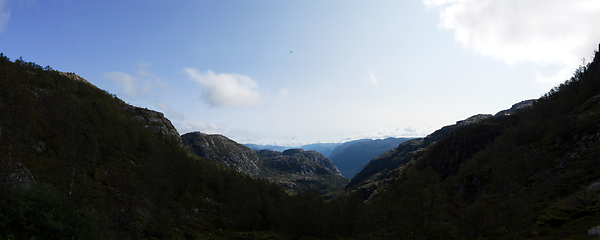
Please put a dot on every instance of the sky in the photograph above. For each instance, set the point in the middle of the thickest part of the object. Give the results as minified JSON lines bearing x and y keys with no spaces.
{"x":299,"y":72}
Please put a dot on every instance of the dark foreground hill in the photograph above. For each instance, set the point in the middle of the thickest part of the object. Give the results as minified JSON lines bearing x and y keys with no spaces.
{"x":531,"y":172}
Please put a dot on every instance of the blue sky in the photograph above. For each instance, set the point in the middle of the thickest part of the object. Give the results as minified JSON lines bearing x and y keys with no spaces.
{"x":299,"y":72}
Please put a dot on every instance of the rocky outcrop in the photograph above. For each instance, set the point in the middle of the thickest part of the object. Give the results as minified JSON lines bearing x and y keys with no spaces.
{"x":223,"y":150}
{"x":296,"y":169}
{"x":74,"y":76}
{"x":153,"y":120}
{"x":473,"y":120}
{"x":298,"y":161}
{"x":517,"y":106}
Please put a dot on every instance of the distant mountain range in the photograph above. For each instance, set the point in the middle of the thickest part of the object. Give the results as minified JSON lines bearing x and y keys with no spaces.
{"x":323,"y":148}
{"x":259,"y":147}
{"x":349,"y":157}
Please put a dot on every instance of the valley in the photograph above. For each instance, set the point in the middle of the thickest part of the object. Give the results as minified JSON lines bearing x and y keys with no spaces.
{"x":77,"y":162}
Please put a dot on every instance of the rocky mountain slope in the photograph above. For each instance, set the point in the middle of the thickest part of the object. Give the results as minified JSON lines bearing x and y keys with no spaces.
{"x":527,"y":173}
{"x":295,"y":169}
{"x":351,"y":158}
{"x":323,"y":148}
{"x":76,"y":162}
{"x":259,"y":147}
{"x":223,"y":150}
{"x":460,"y":140}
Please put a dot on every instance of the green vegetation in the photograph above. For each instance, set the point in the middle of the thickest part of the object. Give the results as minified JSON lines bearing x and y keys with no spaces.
{"x":74,"y":163}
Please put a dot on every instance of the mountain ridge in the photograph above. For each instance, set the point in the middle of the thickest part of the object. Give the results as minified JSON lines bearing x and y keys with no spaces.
{"x":294,"y":169}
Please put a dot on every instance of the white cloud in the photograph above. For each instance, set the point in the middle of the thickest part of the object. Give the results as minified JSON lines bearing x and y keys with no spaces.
{"x":4,"y":15}
{"x":139,"y":84}
{"x":226,"y":90}
{"x":170,"y":113}
{"x":372,"y":79}
{"x":539,"y":31}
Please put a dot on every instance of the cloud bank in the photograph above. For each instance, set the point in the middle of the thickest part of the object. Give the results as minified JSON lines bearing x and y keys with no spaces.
{"x":226,"y":90}
{"x":555,"y":32}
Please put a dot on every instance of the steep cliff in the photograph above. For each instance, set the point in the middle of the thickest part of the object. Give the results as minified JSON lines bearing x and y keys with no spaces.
{"x":295,"y":169}
{"x":221,"y":149}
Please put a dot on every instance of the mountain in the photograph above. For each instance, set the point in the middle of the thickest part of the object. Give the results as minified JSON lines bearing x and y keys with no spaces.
{"x":221,"y":149}
{"x":259,"y":147}
{"x":529,"y":172}
{"x":379,"y":168}
{"x":352,"y":156}
{"x":295,"y":169}
{"x":324,"y":148}
{"x":344,"y":145}
{"x":76,"y":162}
{"x":383,"y":167}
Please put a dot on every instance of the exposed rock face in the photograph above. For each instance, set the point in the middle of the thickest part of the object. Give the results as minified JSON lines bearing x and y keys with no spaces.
{"x":153,"y":120}
{"x":74,"y":76}
{"x":473,"y":119}
{"x":298,"y":161}
{"x":18,"y":175}
{"x":517,"y":106}
{"x":296,"y":169}
{"x":221,"y":149}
